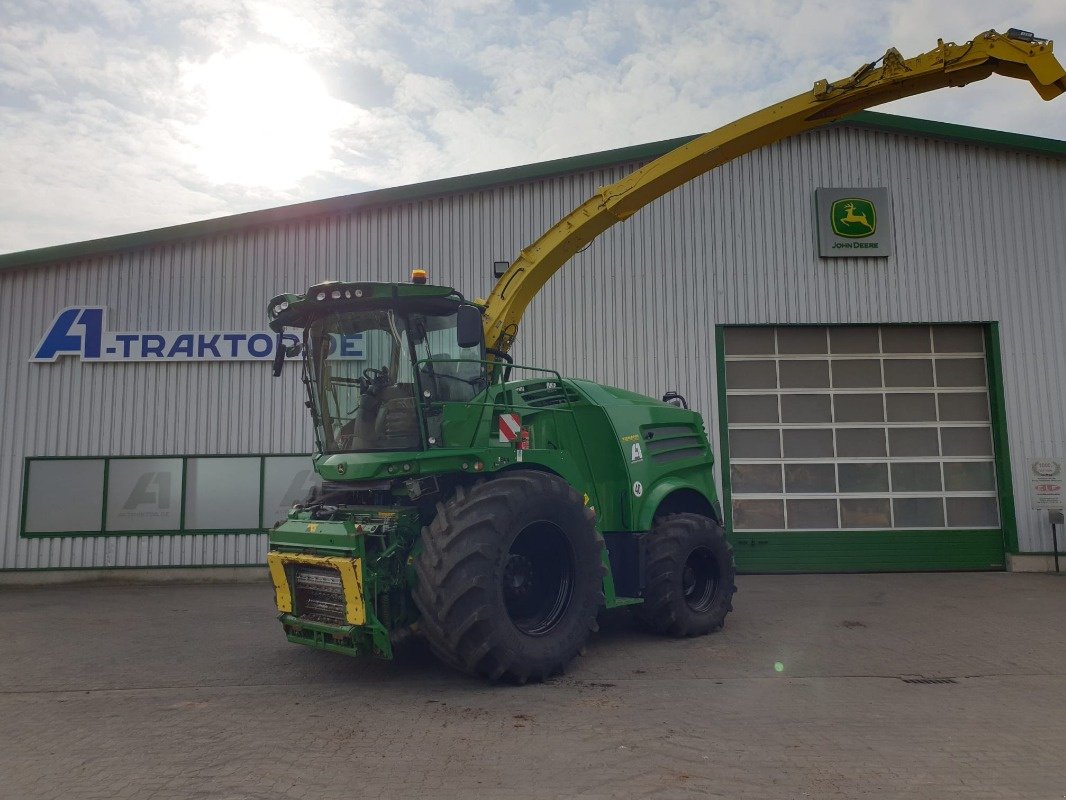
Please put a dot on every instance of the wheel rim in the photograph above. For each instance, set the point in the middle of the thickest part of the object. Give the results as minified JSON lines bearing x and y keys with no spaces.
{"x":538,"y":578}
{"x":700,"y":579}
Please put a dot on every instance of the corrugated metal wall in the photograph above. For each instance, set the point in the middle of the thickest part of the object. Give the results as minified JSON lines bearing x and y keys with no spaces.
{"x":978,"y":237}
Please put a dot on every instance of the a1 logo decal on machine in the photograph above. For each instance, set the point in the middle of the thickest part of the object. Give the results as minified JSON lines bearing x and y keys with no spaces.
{"x":635,"y":453}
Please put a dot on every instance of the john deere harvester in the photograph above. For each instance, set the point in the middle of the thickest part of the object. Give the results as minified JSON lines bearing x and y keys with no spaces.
{"x":495,"y":509}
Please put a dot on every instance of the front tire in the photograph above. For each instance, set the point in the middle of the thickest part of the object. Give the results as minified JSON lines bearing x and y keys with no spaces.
{"x":510,"y":577}
{"x":691,"y":576}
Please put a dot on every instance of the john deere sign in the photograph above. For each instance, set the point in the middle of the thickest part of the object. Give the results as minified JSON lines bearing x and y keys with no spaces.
{"x":854,"y":223}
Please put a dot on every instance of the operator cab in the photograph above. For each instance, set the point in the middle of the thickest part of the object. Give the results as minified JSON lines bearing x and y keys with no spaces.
{"x":376,"y":356}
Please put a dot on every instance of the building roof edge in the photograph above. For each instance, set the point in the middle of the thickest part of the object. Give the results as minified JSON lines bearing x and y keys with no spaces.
{"x":871,"y":120}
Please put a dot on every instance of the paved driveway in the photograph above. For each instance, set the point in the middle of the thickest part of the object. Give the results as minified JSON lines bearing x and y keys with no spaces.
{"x":191,"y":692}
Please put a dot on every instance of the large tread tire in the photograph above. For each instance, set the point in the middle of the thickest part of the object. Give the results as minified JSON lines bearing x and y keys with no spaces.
{"x":698,"y":544}
{"x":462,"y":567}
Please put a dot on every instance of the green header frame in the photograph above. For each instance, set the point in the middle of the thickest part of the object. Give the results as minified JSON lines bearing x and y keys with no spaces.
{"x":868,"y":120}
{"x":181,"y":530}
{"x":879,"y":550}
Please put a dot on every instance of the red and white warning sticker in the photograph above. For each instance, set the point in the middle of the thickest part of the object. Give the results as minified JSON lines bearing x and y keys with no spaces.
{"x":510,"y":425}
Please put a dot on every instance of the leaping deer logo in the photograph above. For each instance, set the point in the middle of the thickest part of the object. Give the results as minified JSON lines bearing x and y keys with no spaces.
{"x":851,"y":216}
{"x":854,"y":218}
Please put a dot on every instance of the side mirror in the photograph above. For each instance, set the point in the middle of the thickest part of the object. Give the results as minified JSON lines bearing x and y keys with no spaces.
{"x":279,"y":356}
{"x":468,"y":329}
{"x":283,"y":351}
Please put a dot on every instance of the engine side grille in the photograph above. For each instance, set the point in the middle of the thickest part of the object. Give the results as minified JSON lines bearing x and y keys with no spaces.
{"x":666,"y":443}
{"x":319,"y":595}
{"x":546,"y":393}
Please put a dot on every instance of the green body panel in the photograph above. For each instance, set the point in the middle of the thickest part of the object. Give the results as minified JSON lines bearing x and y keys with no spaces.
{"x":583,"y":432}
{"x":869,"y":551}
{"x":626,"y":454}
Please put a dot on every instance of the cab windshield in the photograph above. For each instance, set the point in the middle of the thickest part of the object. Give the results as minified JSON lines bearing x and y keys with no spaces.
{"x":368,"y":369}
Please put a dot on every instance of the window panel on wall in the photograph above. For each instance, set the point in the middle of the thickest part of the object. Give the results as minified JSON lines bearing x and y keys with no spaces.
{"x":887,"y":424}
{"x":64,"y":495}
{"x":909,"y":407}
{"x":187,"y":494}
{"x":745,"y":443}
{"x":806,"y":408}
{"x":286,"y":480}
{"x":753,"y":408}
{"x":802,"y":341}
{"x":969,"y":476}
{"x":759,"y":514}
{"x":808,"y":443}
{"x":972,"y":512}
{"x":904,"y":442}
{"x":144,"y":494}
{"x":810,"y":478}
{"x":918,"y":512}
{"x":751,"y":375}
{"x":964,"y":407}
{"x":961,"y":372}
{"x":919,"y":476}
{"x":222,"y":493}
{"x":804,"y":374}
{"x":966,"y":441}
{"x":856,"y":373}
{"x":812,"y":514}
{"x":908,"y":372}
{"x":755,"y":478}
{"x":905,"y":339}
{"x":958,"y":338}
{"x":750,"y":342}
{"x":854,"y":340}
{"x":865,"y":478}
{"x":860,"y":442}
{"x":866,"y":512}
{"x":859,"y":408}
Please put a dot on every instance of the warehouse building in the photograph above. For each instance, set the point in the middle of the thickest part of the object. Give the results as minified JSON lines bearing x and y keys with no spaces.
{"x":869,"y":316}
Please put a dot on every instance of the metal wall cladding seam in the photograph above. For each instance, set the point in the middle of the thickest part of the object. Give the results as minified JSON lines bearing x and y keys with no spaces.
{"x":977,"y":238}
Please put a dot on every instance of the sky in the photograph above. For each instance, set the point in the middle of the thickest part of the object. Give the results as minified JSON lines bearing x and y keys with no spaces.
{"x":120,"y":116}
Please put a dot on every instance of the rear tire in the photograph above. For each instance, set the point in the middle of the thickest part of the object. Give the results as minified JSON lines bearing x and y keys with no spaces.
{"x":510,"y":577}
{"x":690,"y":576}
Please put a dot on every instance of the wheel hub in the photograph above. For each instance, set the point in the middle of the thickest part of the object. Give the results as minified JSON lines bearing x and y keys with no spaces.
{"x":518,"y":576}
{"x":537,"y":581}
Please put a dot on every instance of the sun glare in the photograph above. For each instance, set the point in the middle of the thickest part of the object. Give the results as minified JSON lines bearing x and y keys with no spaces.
{"x":268,"y":119}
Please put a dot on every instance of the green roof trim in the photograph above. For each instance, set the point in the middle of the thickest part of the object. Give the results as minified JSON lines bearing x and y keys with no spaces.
{"x":870,"y":120}
{"x":893,"y":123}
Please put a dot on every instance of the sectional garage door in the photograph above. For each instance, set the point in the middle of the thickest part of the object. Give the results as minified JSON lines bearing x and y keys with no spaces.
{"x":861,"y":447}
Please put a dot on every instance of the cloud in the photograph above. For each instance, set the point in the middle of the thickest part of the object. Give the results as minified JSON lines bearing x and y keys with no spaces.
{"x":108,"y":123}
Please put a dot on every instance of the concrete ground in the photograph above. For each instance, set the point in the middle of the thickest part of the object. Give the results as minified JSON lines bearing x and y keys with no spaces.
{"x":155,"y":692}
